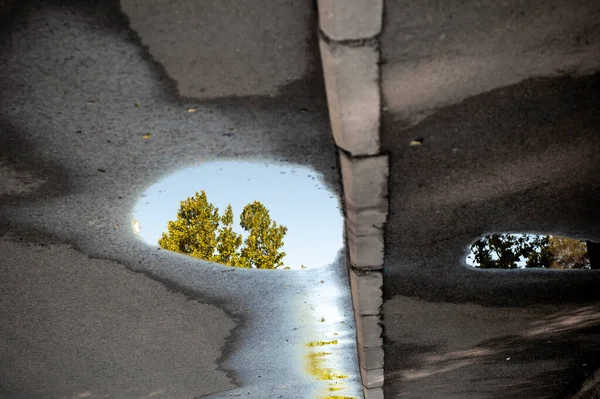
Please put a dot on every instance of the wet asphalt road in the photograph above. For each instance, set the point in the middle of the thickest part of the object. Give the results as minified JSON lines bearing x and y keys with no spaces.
{"x":89,"y":310}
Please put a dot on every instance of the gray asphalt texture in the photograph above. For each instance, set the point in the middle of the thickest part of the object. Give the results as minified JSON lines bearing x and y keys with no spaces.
{"x":507,"y":110}
{"x":87,"y":309}
{"x":510,"y":143}
{"x":218,"y":48}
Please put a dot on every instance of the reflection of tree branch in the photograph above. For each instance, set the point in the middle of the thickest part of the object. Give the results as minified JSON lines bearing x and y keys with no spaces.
{"x":506,"y":251}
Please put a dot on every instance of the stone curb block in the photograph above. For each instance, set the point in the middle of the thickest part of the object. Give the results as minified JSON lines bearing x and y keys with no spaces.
{"x":350,"y":20}
{"x":366,"y":252}
{"x":370,"y":358}
{"x":373,"y":393}
{"x":353,"y":95}
{"x":365,"y":181}
{"x":372,"y":378}
{"x":364,"y":222}
{"x":366,"y":291}
{"x":368,"y":331}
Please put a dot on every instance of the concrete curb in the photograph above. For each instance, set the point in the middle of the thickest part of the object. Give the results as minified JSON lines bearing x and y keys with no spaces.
{"x":350,"y":57}
{"x":350,"y":20}
{"x":353,"y":95}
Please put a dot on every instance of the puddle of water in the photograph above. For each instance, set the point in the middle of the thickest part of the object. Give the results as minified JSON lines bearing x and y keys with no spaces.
{"x":528,"y":251}
{"x":294,"y":196}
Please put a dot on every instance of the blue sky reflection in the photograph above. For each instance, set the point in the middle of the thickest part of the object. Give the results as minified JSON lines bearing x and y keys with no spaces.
{"x":294,"y":195}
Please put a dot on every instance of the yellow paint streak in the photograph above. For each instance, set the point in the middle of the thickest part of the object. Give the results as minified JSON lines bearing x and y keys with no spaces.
{"x":317,"y":369}
{"x":322,"y":343}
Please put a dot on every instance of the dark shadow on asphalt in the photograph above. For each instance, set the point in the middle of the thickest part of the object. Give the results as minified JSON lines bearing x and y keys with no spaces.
{"x":519,"y":158}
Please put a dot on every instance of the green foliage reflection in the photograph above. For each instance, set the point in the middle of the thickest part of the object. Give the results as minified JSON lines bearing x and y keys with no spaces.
{"x":200,"y":231}
{"x":512,"y":251}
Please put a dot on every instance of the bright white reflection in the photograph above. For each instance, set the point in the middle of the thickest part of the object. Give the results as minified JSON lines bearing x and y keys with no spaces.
{"x":294,"y":196}
{"x":329,"y":340}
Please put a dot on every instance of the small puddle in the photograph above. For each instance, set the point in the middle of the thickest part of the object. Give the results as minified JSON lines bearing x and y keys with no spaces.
{"x":245,"y":214}
{"x":530,"y":251}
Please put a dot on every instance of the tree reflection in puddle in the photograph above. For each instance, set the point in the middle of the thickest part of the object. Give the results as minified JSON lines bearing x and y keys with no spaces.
{"x":528,"y":251}
{"x":213,"y":203}
{"x":197,"y":200}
